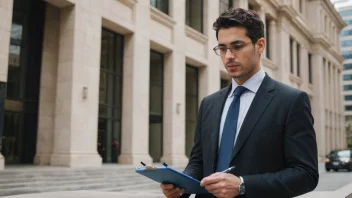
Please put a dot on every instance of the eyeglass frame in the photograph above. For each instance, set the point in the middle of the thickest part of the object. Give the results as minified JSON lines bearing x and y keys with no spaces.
{"x":229,"y":48}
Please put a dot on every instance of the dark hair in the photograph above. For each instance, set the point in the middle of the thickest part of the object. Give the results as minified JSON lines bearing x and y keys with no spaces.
{"x":239,"y":17}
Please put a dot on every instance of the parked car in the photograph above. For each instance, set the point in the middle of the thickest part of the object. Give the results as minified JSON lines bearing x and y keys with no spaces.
{"x":339,"y":159}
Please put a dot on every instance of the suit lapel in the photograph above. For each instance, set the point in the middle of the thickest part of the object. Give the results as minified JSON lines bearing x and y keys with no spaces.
{"x":261,"y":100}
{"x":216,"y":119}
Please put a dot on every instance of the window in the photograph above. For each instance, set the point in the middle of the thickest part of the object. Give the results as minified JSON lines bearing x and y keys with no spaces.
{"x":346,"y":43}
{"x":342,"y":154}
{"x":347,"y":87}
{"x":110,"y":95}
{"x":194,"y":14}
{"x":191,"y":105}
{"x":346,"y":32}
{"x":162,"y":5}
{"x":267,"y":37}
{"x":346,"y":13}
{"x":348,"y":97}
{"x":348,"y":22}
{"x":310,"y":79}
{"x":347,"y":54}
{"x":348,"y":107}
{"x":291,"y":55}
{"x":15,"y":69}
{"x":347,"y":77}
{"x":347,"y":66}
{"x":348,"y":118}
{"x":225,"y":5}
{"x":298,"y":50}
{"x":156,"y":101}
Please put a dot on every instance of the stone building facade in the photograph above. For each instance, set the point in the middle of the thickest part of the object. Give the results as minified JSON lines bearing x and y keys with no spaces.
{"x":85,"y":81}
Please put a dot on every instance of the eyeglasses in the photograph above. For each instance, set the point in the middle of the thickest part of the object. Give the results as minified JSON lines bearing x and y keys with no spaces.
{"x":221,"y":50}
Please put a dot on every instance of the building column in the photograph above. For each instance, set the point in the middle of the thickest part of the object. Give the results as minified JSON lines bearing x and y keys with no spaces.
{"x":46,"y":114}
{"x":174,"y":92}
{"x":331,"y":118}
{"x":319,"y":104}
{"x":6,"y":7}
{"x":303,"y":64}
{"x":341,"y":111}
{"x":209,"y":76}
{"x":135,"y":110}
{"x":320,"y":17}
{"x":272,"y":41}
{"x":336,"y":107}
{"x":241,"y":4}
{"x":282,"y":50}
{"x":76,"y":107}
{"x":261,"y":13}
{"x":322,"y":21}
{"x":327,"y":113}
{"x":336,"y":113}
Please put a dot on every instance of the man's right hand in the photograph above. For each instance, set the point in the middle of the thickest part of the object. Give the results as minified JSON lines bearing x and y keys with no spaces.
{"x":170,"y":191}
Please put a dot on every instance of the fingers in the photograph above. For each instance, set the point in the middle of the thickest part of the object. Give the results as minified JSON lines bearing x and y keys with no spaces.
{"x":170,"y":191}
{"x":214,"y":178}
{"x":213,"y":187}
{"x":166,"y":186}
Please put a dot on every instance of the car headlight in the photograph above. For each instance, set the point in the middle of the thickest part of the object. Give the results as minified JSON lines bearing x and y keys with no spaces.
{"x":327,"y":160}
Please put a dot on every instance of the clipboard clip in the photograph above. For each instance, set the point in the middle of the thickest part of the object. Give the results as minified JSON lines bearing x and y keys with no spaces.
{"x":149,"y":167}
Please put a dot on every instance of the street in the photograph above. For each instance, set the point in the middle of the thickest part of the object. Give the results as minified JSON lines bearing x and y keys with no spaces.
{"x":330,"y":181}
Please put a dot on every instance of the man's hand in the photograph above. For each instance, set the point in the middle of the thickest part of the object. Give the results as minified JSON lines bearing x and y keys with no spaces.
{"x":170,"y":191}
{"x":222,"y":185}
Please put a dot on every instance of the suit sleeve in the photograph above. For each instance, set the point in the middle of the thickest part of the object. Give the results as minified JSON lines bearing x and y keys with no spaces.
{"x":301,"y":173}
{"x":194,"y":167}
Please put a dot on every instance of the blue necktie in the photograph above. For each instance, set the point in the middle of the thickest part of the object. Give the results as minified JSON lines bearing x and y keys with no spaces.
{"x":229,"y":131}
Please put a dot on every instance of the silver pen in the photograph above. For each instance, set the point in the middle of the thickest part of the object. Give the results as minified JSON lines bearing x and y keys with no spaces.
{"x":228,"y":170}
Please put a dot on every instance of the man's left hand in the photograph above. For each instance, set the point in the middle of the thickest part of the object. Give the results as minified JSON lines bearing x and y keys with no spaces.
{"x":222,"y":185}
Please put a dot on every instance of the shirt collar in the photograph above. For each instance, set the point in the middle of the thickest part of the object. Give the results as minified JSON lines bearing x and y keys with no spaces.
{"x":252,"y":84}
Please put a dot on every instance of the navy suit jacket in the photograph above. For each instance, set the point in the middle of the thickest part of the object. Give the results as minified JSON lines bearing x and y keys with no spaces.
{"x":276,"y":149}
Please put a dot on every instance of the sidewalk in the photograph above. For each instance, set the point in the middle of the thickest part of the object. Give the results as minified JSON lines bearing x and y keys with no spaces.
{"x":344,"y":192}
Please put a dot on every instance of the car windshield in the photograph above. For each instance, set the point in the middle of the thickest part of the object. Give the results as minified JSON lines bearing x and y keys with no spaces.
{"x":345,"y":153}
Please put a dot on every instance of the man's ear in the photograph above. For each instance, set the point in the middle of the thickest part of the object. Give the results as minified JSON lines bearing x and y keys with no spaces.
{"x":261,"y":43}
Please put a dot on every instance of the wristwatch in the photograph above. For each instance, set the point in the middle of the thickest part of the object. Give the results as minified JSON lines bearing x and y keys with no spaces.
{"x":241,"y":188}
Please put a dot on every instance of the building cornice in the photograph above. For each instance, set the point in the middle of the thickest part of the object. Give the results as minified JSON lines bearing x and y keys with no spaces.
{"x":330,"y":7}
{"x":292,"y":15}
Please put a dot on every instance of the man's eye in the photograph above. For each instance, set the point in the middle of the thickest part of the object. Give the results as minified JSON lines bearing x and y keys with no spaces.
{"x":223,"y":49}
{"x":236,"y":47}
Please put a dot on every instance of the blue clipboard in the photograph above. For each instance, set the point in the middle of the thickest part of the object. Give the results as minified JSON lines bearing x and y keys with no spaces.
{"x":171,"y":176}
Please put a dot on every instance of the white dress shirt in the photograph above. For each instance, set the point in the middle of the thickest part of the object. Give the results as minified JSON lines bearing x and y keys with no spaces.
{"x":252,"y":84}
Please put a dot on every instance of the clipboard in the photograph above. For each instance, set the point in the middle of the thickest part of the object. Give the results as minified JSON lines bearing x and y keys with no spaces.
{"x":171,"y":176}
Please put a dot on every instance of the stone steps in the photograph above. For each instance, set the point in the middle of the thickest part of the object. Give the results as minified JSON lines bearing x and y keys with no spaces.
{"x":14,"y":181}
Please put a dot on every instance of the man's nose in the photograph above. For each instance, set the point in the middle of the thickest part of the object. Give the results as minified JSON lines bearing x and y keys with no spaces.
{"x":229,"y":54}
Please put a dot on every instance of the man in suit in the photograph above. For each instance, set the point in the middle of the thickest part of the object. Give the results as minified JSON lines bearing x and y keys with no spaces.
{"x":260,"y":126}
